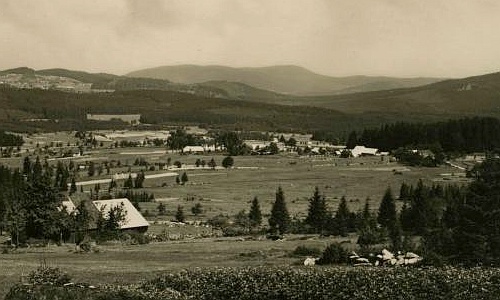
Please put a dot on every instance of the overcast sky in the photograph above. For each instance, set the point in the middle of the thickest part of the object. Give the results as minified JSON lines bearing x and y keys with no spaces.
{"x":335,"y":37}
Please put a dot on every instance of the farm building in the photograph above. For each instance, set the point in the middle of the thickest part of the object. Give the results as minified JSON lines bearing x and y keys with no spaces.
{"x":134,"y":221}
{"x":363,"y":151}
{"x":193,"y":149}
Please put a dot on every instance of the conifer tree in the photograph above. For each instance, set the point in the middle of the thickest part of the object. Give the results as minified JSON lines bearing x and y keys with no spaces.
{"x":342,"y":217}
{"x":184,"y":178}
{"x":387,"y":210}
{"x":279,"y":220}
{"x":161,"y":209}
{"x":179,"y":215}
{"x":477,"y":236}
{"x":317,"y":216}
{"x":255,"y":215}
{"x":72,"y":188}
{"x":128,"y":184}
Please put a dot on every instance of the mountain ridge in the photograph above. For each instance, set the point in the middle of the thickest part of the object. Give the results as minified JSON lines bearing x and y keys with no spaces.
{"x":284,"y":79}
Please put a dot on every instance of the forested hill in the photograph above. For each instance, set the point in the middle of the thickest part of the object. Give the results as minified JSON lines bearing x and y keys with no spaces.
{"x":478,"y":95}
{"x":292,"y":80}
{"x":23,"y":109}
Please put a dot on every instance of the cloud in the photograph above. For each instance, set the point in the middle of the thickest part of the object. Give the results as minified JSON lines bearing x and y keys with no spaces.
{"x":337,"y":37}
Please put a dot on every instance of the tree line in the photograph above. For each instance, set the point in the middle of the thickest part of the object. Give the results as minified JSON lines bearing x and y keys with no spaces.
{"x":466,"y":135}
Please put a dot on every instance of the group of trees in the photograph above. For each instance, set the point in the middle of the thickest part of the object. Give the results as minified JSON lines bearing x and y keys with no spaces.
{"x":30,"y":206}
{"x":457,"y":223}
{"x":465,"y":135}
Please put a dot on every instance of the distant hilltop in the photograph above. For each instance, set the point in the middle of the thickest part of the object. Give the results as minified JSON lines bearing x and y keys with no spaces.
{"x":287,"y":79}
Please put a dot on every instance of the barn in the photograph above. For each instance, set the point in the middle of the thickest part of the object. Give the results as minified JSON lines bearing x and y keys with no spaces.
{"x":134,"y":221}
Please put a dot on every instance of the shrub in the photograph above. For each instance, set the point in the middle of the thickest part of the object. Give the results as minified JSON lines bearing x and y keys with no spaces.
{"x":48,"y":275}
{"x":333,"y":254}
{"x":139,"y":238}
{"x":234,"y":231}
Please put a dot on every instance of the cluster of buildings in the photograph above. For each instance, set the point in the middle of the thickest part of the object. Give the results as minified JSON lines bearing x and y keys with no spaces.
{"x":65,"y":84}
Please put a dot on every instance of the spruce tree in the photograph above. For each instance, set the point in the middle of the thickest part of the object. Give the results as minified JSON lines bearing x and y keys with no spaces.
{"x":72,"y":188}
{"x":128,"y":184}
{"x":317,"y":216}
{"x":342,"y":217}
{"x":387,"y":210}
{"x":477,"y":236}
{"x":179,"y":215}
{"x":184,"y":178}
{"x":255,"y":215}
{"x":279,"y":220}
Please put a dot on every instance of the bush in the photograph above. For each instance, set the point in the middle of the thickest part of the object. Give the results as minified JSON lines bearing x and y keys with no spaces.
{"x":234,"y":231}
{"x":139,"y":238}
{"x":334,"y":254}
{"x":306,"y":251}
{"x":48,"y":275}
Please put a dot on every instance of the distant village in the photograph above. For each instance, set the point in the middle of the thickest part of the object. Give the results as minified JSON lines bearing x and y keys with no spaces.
{"x":65,"y":84}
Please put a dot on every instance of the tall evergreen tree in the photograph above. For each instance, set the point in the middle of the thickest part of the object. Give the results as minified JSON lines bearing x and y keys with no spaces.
{"x":318,"y":215}
{"x":81,"y":221}
{"x":179,"y":215}
{"x":255,"y":215}
{"x":477,"y":236}
{"x":72,"y":188}
{"x":279,"y":220}
{"x":387,"y":215}
{"x":342,"y":217}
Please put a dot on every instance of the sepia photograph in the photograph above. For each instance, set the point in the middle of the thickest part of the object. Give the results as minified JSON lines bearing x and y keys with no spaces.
{"x":249,"y":149}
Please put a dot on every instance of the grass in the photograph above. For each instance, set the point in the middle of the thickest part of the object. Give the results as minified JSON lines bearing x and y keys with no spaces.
{"x":124,"y":264}
{"x":226,"y":192}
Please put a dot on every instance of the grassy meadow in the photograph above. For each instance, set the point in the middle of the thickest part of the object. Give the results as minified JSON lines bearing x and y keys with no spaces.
{"x":220,"y":191}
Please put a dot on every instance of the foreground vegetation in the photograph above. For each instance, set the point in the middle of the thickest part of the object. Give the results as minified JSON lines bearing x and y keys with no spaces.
{"x":288,"y":283}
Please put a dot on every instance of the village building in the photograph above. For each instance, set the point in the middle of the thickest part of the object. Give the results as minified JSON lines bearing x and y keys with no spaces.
{"x":363,"y":151}
{"x":134,"y":221}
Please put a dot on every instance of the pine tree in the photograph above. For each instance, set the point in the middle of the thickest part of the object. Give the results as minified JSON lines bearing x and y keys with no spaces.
{"x":81,"y":221}
{"x":128,"y":184}
{"x":387,"y":211}
{"x":477,"y":236}
{"x":179,"y":215}
{"x":72,"y":188}
{"x":255,"y":215}
{"x":161,"y":209}
{"x":342,"y":217}
{"x":317,"y":216}
{"x":279,"y":220}
{"x":184,"y":178}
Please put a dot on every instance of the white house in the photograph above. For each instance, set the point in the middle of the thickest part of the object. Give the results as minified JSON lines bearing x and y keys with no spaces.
{"x":363,"y":151}
{"x":193,"y":149}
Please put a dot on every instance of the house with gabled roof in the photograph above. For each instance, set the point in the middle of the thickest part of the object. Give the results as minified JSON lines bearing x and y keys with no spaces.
{"x":134,"y":221}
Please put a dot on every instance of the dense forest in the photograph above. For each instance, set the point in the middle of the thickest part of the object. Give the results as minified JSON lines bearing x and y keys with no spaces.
{"x":10,"y":140}
{"x":465,"y":135}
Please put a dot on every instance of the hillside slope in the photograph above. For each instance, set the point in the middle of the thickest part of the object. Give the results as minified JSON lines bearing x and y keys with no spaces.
{"x":290,"y":80}
{"x":478,"y":95}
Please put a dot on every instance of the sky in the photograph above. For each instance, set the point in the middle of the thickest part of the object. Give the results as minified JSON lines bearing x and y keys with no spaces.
{"x":404,"y":38}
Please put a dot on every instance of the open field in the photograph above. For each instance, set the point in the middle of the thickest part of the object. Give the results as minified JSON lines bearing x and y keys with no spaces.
{"x":228,"y":191}
{"x":119,"y":264}
{"x":220,"y":191}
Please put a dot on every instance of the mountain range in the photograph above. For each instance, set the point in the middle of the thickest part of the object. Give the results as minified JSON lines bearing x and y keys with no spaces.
{"x":233,"y":104}
{"x":288,"y":79}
